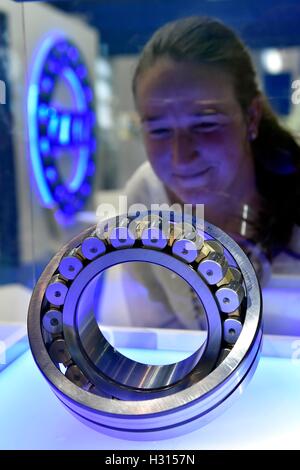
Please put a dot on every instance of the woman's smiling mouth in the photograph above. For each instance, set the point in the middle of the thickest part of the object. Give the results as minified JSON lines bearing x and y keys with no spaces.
{"x":189,"y":175}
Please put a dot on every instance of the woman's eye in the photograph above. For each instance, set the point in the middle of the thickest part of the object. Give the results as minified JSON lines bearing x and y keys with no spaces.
{"x":159,"y":132}
{"x":205,"y":126}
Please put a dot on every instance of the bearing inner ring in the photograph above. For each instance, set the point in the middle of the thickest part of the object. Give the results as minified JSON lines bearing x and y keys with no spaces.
{"x":106,"y":362}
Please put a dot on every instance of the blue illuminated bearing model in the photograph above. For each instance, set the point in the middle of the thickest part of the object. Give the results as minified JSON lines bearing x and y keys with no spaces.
{"x":126,"y":396}
{"x":55,"y":128}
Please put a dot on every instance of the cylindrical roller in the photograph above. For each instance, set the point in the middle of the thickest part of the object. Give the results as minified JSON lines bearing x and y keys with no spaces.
{"x":74,"y":374}
{"x":165,"y":225}
{"x":235,"y":314}
{"x":154,"y":237}
{"x":102,"y":229}
{"x":232,"y":274}
{"x":209,"y":246}
{"x":158,"y":228}
{"x":232,"y":329}
{"x":70,"y":265}
{"x":56,"y":291}
{"x":105,"y":228}
{"x":189,"y":232}
{"x":92,"y":247}
{"x":213,"y":268}
{"x":187,"y":242}
{"x":214,"y":245}
{"x":152,"y":219}
{"x":185,"y":249}
{"x":236,"y":273}
{"x":230,"y":296}
{"x":59,"y":352}
{"x":52,"y":321}
{"x":175,"y":232}
{"x":139,"y":227}
{"x":121,"y":236}
{"x":151,"y":232}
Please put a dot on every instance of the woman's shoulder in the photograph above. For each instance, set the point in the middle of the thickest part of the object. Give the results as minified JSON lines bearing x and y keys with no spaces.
{"x":142,"y":175}
{"x":144,"y":187}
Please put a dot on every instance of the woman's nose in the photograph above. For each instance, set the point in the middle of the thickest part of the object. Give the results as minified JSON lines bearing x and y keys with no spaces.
{"x":184,"y":148}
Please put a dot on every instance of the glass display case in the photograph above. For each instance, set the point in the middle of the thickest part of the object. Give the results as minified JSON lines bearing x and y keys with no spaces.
{"x":77,"y":147}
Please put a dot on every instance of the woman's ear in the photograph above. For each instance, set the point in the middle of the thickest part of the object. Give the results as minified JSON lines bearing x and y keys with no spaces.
{"x":254,"y":114}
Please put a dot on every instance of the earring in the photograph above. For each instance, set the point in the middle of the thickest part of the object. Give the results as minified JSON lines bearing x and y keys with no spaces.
{"x":252,"y":135}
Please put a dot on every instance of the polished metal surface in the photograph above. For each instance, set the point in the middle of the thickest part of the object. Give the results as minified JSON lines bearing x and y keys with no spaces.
{"x":56,"y":291}
{"x":232,"y":329}
{"x":80,"y":327}
{"x":213,"y":268}
{"x":52,"y":321}
{"x":70,"y":266}
{"x":118,"y":395}
{"x":230,"y":296}
{"x":58,"y":351}
{"x":92,"y":247}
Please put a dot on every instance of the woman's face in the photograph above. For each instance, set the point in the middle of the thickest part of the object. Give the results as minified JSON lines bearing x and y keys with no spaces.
{"x":194,"y":130}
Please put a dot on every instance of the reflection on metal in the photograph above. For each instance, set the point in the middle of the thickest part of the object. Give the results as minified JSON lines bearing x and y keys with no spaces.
{"x":259,"y":260}
{"x":116,"y":394}
{"x":55,"y":129}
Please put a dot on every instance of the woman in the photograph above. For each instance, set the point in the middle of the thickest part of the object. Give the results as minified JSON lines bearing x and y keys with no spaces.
{"x":209,"y":131}
{"x":212,"y":138}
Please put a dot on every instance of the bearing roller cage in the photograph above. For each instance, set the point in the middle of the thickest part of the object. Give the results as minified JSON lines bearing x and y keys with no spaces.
{"x":166,"y":409}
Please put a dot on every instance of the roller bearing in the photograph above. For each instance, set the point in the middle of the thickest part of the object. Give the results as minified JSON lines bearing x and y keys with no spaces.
{"x":106,"y":389}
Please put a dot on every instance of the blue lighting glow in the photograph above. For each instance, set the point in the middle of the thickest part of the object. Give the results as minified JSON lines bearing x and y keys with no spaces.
{"x":91,"y":168}
{"x":51,"y":174}
{"x":44,"y":145}
{"x":77,"y":180}
{"x":43,"y":112}
{"x":266,"y":416}
{"x":64,"y":132}
{"x":77,"y":130}
{"x":52,"y":128}
{"x":85,"y":189}
{"x":81,"y":72}
{"x":75,"y":87}
{"x":47,"y":84}
{"x":53,"y":125}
